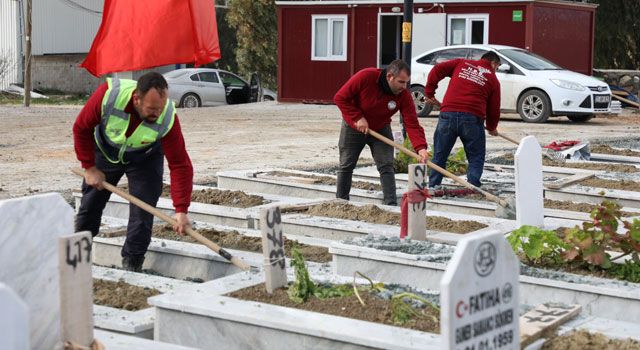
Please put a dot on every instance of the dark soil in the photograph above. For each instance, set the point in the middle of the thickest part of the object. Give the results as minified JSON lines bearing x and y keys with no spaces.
{"x":237,"y":199}
{"x":326,"y":180}
{"x":121,"y":295}
{"x":580,"y":207}
{"x":583,"y":340}
{"x":235,"y":240}
{"x":377,"y":310}
{"x":606,"y":149}
{"x":625,"y":185}
{"x":373,"y":214}
{"x":508,"y":159}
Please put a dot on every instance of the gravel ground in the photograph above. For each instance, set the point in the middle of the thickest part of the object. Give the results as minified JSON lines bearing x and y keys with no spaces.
{"x":36,"y":144}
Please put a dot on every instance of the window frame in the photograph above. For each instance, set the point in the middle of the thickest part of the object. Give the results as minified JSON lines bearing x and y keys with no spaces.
{"x":330,"y":20}
{"x":469,"y":17}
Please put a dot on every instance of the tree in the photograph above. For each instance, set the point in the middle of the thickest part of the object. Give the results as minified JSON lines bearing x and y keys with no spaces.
{"x":617,"y":41}
{"x":256,"y":25}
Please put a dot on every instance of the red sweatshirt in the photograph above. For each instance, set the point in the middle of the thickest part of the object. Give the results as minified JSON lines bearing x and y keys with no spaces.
{"x":473,"y":89}
{"x":363,"y":96}
{"x":180,"y":168}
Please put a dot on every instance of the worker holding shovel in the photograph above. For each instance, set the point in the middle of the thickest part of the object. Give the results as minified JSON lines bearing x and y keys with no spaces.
{"x":472,"y":97}
{"x":367,"y":101}
{"x":128,"y":127}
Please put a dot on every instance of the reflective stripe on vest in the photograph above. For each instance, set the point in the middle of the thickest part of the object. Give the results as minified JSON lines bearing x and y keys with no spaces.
{"x":110,"y":134}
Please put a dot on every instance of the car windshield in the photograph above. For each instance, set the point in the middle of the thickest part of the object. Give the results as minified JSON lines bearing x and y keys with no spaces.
{"x":529,"y":60}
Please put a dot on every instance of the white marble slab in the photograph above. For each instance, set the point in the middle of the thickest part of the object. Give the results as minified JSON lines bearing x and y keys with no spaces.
{"x":29,"y":258}
{"x":115,"y":341}
{"x":529,"y":191}
{"x":14,"y":320}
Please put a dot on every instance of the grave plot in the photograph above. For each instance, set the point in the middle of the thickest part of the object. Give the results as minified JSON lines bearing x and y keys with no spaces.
{"x":620,"y":151}
{"x":295,"y":183}
{"x":215,"y":314}
{"x":180,"y":257}
{"x":212,"y":205}
{"x":120,"y":300}
{"x":391,"y":260}
{"x":595,"y":189}
{"x":550,"y":167}
{"x":337,"y":219}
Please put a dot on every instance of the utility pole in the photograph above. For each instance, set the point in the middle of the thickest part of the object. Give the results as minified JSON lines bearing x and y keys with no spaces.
{"x":406,"y":43}
{"x":27,"y":56}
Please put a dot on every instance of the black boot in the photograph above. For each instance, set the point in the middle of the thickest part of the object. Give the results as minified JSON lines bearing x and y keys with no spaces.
{"x":133,"y":263}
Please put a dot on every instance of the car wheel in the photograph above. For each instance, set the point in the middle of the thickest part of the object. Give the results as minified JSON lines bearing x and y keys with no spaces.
{"x":580,"y":118}
{"x":190,"y":100}
{"x":422,"y":107}
{"x":534,"y":106}
{"x":267,"y":98}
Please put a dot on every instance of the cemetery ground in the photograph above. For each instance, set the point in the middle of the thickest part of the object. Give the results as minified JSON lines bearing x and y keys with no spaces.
{"x":461,"y":288}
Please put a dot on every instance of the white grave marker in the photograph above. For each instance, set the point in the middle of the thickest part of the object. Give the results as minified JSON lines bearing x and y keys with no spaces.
{"x":529,"y":192}
{"x":479,"y":295}
{"x":273,"y":248}
{"x":76,"y":288}
{"x":417,"y":224}
{"x":29,"y":259}
{"x":14,"y":320}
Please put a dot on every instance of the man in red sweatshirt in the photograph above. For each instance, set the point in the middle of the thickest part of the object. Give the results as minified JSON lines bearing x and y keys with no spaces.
{"x":128,"y":127}
{"x":368,"y":100}
{"x":472,"y":97}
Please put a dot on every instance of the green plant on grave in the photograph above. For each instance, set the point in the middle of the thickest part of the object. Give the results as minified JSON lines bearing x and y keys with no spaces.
{"x":303,"y":287}
{"x":402,"y":311}
{"x":627,"y":271}
{"x":539,"y":246}
{"x":402,"y":161}
{"x":591,"y":242}
{"x":457,"y":162}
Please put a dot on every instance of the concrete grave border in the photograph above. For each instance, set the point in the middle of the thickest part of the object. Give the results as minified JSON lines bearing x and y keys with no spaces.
{"x":182,"y":318}
{"x":136,"y":323}
{"x":615,"y":302}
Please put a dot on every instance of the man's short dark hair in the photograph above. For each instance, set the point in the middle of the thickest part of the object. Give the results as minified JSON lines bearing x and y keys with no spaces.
{"x":398,"y":66}
{"x":491,"y":57}
{"x":152,"y":80}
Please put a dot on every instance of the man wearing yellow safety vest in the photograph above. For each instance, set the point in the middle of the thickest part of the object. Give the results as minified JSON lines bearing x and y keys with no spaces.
{"x":127,"y":128}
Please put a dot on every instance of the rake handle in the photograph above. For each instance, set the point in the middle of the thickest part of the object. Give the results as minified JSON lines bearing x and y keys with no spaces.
{"x":150,"y":209}
{"x":509,"y":139}
{"x":437,"y":168}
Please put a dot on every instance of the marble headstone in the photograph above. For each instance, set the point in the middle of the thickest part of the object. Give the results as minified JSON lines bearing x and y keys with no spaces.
{"x":417,"y":224}
{"x":14,"y":321}
{"x":29,"y":259}
{"x":529,"y":191}
{"x":479,"y":295}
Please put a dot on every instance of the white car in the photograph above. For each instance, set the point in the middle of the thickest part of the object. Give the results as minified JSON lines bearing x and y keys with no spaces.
{"x":196,"y":87}
{"x":530,"y":85}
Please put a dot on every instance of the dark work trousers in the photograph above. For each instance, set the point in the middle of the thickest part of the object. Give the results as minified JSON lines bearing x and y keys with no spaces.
{"x":470,"y":130}
{"x":350,"y":145}
{"x":145,"y":183}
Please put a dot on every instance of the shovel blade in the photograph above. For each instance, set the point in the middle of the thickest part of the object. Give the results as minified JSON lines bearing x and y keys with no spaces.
{"x":508,"y":211}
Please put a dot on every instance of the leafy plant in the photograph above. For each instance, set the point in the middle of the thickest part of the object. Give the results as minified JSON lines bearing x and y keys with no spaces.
{"x":457,"y":162}
{"x":591,"y":242}
{"x":628,"y":271}
{"x":402,"y":311}
{"x":402,"y":161}
{"x":302,"y":288}
{"x":538,"y":245}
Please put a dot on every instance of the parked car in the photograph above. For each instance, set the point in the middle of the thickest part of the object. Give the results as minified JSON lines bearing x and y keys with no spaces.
{"x":196,"y":87}
{"x":531,"y":85}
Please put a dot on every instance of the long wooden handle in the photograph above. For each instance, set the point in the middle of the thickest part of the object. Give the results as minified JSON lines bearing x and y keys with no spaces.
{"x":437,"y":168}
{"x":508,"y":139}
{"x":626,"y":100}
{"x":198,"y":237}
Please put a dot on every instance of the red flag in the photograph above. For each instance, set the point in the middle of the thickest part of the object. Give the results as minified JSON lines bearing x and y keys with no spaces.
{"x":149,"y":33}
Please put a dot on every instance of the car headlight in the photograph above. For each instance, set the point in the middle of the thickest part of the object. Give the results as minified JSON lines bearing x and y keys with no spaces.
{"x":568,"y":84}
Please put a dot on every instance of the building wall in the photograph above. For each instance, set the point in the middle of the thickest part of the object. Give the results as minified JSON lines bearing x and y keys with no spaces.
{"x":10,"y":45}
{"x":564,"y":35}
{"x":62,"y":73}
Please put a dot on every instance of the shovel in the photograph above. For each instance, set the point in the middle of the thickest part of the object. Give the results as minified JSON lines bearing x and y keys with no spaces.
{"x":506,"y":208}
{"x":148,"y":208}
{"x":558,"y":157}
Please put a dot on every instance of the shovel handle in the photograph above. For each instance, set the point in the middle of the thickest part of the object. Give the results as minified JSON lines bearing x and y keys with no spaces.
{"x":150,"y":209}
{"x":508,"y":139}
{"x":437,"y":168}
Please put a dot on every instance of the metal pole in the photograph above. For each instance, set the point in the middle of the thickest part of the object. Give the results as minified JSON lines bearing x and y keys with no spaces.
{"x":406,"y":42}
{"x":27,"y":56}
